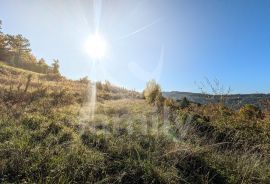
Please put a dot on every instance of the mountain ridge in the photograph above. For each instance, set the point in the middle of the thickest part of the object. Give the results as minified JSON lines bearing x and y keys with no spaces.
{"x":231,"y":100}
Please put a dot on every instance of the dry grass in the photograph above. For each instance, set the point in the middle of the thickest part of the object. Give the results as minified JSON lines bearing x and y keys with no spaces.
{"x":43,"y":140}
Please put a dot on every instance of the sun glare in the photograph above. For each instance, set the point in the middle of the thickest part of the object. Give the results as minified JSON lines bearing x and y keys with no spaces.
{"x":96,"y":46}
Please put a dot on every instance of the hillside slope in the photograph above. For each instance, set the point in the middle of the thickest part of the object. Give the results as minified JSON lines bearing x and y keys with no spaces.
{"x":49,"y":135}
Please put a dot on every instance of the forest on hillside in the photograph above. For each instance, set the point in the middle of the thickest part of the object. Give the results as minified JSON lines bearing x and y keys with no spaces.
{"x":15,"y":50}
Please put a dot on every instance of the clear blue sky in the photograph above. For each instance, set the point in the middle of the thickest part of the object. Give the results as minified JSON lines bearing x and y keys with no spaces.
{"x":177,"y":42}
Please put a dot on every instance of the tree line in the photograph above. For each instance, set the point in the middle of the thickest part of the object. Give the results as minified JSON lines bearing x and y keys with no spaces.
{"x":15,"y":51}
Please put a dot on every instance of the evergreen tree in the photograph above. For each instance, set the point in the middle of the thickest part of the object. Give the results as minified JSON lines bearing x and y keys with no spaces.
{"x":15,"y":50}
{"x":55,"y":66}
{"x":0,"y":26}
{"x":3,"y":44}
{"x":42,"y":66}
{"x":18,"y":46}
{"x":184,"y":102}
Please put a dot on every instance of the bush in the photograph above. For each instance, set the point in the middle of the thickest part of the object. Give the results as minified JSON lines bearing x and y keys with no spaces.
{"x":33,"y":122}
{"x":54,"y":128}
{"x":250,"y":112}
{"x":5,"y":135}
{"x":84,"y":80}
{"x":62,"y":98}
{"x":168,"y":102}
{"x":152,"y":91}
{"x":52,"y":77}
{"x":159,"y":102}
{"x":65,"y":138}
{"x":184,"y":103}
{"x":94,"y":141}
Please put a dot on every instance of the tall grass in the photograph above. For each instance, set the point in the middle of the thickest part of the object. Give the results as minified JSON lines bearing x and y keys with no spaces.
{"x":129,"y":141}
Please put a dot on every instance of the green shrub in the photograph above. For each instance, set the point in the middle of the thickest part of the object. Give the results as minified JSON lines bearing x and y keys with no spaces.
{"x":184,"y":103}
{"x":92,"y":140}
{"x":66,"y":137}
{"x":33,"y":122}
{"x":250,"y":112}
{"x":5,"y":135}
{"x":54,"y":128}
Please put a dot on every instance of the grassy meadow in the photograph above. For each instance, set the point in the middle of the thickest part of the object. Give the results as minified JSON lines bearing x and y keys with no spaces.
{"x":132,"y":138}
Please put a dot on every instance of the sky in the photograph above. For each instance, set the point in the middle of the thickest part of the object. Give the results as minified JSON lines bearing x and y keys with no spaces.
{"x":179,"y":43}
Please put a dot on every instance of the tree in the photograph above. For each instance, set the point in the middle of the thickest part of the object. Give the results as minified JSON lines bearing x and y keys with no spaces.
{"x":2,"y":42}
{"x":106,"y":86}
{"x":99,"y":85}
{"x":84,"y":80}
{"x":3,"y":45}
{"x":28,"y":58}
{"x":55,"y":66}
{"x":28,"y":61}
{"x":42,"y":66}
{"x":151,"y":91}
{"x":0,"y":26}
{"x":15,"y":50}
{"x":184,"y":103}
{"x":41,"y":62}
{"x":18,"y":46}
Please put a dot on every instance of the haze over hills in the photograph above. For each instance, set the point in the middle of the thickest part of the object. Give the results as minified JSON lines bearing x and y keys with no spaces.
{"x":231,"y":100}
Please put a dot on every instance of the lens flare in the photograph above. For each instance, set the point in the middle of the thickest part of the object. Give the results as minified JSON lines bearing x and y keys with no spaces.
{"x":96,"y":46}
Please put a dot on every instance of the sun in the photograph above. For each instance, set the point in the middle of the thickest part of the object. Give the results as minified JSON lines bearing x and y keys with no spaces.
{"x":96,"y":46}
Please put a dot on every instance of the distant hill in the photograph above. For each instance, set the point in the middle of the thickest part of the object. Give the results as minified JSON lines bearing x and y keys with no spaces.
{"x":234,"y":100}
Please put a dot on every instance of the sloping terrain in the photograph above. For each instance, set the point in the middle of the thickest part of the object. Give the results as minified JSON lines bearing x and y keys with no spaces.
{"x":45,"y":139}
